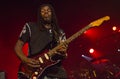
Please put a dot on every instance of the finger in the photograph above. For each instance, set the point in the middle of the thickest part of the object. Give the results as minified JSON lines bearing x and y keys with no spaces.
{"x":33,"y":65}
{"x":65,"y":44}
{"x":35,"y":62}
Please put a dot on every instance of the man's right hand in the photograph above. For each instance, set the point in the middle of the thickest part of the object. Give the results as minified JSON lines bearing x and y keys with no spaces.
{"x":31,"y":62}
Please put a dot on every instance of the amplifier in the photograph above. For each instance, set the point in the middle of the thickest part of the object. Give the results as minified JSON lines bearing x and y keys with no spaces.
{"x":2,"y":75}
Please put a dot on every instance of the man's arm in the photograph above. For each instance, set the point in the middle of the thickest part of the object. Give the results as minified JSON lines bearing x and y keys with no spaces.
{"x":18,"y":50}
{"x":29,"y":61}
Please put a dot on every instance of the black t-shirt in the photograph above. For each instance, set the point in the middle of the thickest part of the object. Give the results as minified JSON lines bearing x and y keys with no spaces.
{"x":39,"y":40}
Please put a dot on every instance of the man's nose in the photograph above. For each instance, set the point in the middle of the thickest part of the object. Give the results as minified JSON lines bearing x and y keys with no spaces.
{"x":46,"y":11}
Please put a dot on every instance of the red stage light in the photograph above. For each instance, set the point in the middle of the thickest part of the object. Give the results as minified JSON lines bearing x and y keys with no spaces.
{"x":91,"y":50}
{"x":114,"y":28}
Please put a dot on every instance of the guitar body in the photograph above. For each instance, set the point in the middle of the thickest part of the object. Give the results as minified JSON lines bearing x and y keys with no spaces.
{"x":35,"y":73}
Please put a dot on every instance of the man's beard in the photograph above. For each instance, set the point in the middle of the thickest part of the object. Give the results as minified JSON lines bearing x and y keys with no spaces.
{"x":46,"y":21}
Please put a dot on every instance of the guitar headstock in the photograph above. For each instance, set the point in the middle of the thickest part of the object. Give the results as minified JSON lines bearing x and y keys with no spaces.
{"x":99,"y":21}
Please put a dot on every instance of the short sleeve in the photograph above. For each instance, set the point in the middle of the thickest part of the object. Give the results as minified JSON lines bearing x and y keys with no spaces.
{"x":62,"y":37}
{"x":25,"y":33}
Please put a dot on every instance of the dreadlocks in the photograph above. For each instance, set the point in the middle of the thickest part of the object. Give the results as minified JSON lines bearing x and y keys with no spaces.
{"x":53,"y":21}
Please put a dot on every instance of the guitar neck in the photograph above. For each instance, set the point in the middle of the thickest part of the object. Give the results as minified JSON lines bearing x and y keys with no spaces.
{"x":70,"y":39}
{"x":74,"y":36}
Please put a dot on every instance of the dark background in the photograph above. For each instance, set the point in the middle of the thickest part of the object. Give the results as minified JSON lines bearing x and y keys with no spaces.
{"x":72,"y":16}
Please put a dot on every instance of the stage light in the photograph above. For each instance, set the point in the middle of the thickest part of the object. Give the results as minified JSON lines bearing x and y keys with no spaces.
{"x":83,"y":55}
{"x":114,"y":28}
{"x":94,"y":53}
{"x":118,"y":50}
{"x":87,"y":57}
{"x":118,"y":30}
{"x":91,"y":50}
